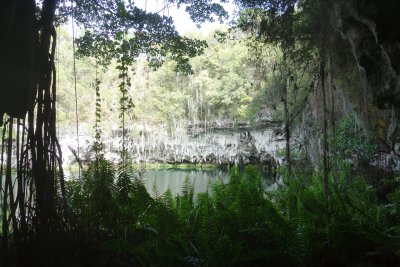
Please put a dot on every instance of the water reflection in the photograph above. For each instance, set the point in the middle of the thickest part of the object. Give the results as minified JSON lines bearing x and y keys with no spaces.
{"x":202,"y":180}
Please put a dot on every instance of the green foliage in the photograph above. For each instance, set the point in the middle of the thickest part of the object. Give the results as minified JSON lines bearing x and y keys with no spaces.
{"x":92,"y":194}
{"x":349,"y":142}
{"x":114,"y":26}
{"x":238,"y":223}
{"x":236,"y":80}
{"x":293,"y":25}
{"x":98,"y":145}
{"x":227,"y":82}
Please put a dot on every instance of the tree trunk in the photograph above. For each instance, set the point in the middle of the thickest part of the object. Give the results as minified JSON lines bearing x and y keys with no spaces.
{"x":333,"y":120}
{"x":325,"y":120}
{"x":287,"y":130}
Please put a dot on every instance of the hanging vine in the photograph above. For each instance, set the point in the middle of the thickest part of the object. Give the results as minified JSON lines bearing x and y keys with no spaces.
{"x":125,"y":101}
{"x":75,"y":91}
{"x":98,"y":144}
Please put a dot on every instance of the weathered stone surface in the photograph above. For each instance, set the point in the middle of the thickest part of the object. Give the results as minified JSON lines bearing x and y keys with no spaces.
{"x":225,"y":145}
{"x":364,"y":79}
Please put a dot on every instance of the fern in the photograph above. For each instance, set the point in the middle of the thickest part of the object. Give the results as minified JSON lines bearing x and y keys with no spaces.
{"x":236,"y":224}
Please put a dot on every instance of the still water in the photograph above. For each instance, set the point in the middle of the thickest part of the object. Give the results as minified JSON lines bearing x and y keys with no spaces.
{"x":173,"y":179}
{"x":202,"y":180}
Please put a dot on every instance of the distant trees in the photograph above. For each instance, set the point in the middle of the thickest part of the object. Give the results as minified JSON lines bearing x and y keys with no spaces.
{"x":225,"y":82}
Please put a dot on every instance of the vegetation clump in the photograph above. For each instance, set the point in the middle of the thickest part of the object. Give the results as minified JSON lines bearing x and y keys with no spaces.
{"x":238,"y":224}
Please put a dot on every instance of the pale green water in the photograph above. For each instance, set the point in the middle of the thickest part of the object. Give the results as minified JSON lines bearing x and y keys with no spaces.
{"x":174,"y":178}
{"x":202,"y":180}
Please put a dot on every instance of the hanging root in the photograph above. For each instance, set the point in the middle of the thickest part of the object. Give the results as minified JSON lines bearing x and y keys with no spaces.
{"x":32,"y":186}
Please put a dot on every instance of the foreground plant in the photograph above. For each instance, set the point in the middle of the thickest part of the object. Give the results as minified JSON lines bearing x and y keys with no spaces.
{"x":238,"y":224}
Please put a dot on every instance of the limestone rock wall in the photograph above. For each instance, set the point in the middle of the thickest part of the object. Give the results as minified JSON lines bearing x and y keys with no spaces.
{"x":363,"y":79}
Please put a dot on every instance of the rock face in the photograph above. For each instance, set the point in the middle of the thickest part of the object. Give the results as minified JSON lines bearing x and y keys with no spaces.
{"x":364,"y":79}
{"x":219,"y":144}
{"x":372,"y":29}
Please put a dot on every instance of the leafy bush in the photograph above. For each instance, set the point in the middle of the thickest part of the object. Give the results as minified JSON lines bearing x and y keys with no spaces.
{"x":348,"y":142}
